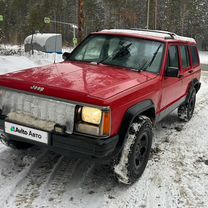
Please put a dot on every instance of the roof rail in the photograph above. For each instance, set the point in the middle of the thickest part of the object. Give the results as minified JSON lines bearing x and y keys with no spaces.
{"x":158,"y":33}
{"x":172,"y":35}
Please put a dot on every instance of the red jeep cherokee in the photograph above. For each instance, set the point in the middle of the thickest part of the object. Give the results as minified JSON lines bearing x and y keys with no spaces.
{"x":101,"y":102}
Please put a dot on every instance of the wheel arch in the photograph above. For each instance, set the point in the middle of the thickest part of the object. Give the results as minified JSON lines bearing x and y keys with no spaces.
{"x":195,"y":84}
{"x":146,"y":108}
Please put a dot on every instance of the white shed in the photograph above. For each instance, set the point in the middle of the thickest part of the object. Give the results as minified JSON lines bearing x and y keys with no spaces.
{"x":45,"y":42}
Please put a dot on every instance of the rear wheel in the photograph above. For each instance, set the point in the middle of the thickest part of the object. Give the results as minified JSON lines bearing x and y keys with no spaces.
{"x":135,"y":154}
{"x":186,"y":110}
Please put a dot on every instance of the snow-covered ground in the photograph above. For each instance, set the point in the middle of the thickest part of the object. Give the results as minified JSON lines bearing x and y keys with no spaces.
{"x":14,"y":62}
{"x":203,"y":57}
{"x":176,"y":175}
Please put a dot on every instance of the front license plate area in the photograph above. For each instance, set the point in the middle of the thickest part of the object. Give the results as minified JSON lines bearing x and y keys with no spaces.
{"x":26,"y":132}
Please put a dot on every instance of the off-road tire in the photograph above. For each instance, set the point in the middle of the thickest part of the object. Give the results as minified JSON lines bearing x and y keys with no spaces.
{"x":186,"y":110}
{"x":136,"y":150}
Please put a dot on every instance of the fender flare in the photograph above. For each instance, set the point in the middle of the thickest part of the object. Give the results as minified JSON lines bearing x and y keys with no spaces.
{"x":130,"y":116}
{"x":195,"y":84}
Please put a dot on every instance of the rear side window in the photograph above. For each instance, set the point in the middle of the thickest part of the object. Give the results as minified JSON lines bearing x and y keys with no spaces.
{"x":194,"y":54}
{"x":173,"y":58}
{"x":185,"y":57}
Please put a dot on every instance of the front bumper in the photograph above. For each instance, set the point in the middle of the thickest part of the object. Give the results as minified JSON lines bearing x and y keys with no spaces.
{"x":73,"y":145}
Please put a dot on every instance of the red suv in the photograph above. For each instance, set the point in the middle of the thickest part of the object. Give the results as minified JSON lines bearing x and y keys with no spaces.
{"x":102,"y":101}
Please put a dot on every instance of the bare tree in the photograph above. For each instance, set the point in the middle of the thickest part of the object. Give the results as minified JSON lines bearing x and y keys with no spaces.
{"x":156,"y":5}
{"x":80,"y":20}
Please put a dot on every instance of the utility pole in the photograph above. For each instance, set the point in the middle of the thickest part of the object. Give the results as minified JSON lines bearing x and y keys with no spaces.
{"x":148,"y":13}
{"x":80,"y":20}
{"x":156,"y":4}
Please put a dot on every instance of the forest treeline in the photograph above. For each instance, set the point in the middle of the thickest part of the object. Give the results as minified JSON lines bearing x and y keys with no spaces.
{"x":23,"y":17}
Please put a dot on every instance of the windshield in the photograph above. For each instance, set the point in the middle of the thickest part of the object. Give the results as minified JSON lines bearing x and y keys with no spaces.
{"x":133,"y":53}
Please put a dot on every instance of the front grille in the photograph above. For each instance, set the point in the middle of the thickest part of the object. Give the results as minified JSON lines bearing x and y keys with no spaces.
{"x":19,"y":105}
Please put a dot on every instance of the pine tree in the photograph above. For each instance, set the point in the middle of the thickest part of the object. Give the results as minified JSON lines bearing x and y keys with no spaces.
{"x":23,"y":17}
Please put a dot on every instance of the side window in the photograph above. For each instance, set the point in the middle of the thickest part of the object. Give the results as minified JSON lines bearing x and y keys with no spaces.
{"x":185,"y":57}
{"x":173,"y":58}
{"x":194,"y":54}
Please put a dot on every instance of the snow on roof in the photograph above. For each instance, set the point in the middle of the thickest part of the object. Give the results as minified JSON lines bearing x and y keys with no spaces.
{"x":182,"y":38}
{"x":40,"y":38}
{"x":152,"y":33}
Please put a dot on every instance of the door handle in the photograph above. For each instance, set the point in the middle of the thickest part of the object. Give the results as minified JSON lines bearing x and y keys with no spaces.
{"x":190,"y":72}
{"x":180,"y":76}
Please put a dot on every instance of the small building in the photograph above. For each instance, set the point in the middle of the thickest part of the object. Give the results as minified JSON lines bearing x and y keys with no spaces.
{"x":45,"y":42}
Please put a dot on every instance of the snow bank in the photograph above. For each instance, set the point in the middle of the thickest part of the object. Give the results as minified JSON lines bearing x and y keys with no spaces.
{"x":14,"y":63}
{"x":203,"y":57}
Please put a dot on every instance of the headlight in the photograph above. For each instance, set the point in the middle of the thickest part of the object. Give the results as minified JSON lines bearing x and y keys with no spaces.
{"x":91,"y":115}
{"x":93,"y":121}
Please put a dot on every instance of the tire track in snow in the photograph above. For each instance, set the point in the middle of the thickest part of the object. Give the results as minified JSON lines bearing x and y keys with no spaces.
{"x":55,"y":185}
{"x":27,"y":188}
{"x":51,"y":176}
{"x":68,"y":177}
{"x":20,"y":168}
{"x":93,"y":189}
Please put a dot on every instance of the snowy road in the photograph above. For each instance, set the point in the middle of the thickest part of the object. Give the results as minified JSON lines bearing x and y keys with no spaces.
{"x":176,"y":175}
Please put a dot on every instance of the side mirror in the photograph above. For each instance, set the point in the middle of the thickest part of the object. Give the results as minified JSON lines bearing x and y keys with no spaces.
{"x":66,"y":55}
{"x":172,"y":72}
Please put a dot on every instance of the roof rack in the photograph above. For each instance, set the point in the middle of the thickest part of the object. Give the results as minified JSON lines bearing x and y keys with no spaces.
{"x":172,"y":35}
{"x":157,"y":33}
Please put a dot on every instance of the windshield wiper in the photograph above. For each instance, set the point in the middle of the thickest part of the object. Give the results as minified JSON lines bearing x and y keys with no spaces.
{"x":116,"y":54}
{"x":149,"y":63}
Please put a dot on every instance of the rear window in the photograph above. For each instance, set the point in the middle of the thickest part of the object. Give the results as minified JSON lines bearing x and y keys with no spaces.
{"x":194,"y":54}
{"x":185,"y":57}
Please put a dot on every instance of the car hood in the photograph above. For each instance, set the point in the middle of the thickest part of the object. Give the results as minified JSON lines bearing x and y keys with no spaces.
{"x":98,"y":81}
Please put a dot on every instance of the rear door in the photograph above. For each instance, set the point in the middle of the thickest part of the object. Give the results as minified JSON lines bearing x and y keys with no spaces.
{"x":195,"y":63}
{"x":186,"y":68}
{"x":189,"y":64}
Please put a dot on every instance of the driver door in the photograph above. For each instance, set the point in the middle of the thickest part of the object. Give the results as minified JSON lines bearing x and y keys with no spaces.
{"x":171,"y":85}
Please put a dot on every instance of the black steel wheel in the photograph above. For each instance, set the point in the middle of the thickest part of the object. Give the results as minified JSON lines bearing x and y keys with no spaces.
{"x":141,"y":150}
{"x":136,"y":150}
{"x":186,"y":110}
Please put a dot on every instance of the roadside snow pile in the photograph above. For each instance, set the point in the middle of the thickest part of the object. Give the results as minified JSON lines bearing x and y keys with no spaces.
{"x":40,"y":58}
{"x":14,"y":63}
{"x":203,"y":57}
{"x":13,"y":58}
{"x":7,"y":50}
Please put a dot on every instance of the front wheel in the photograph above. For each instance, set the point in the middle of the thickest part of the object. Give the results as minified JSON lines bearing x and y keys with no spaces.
{"x":136,"y":150}
{"x":186,"y":110}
